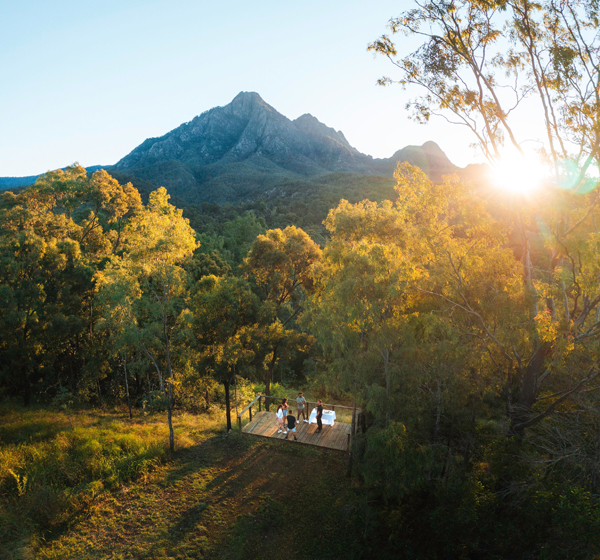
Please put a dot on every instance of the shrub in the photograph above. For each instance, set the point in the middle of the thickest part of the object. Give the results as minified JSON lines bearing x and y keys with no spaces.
{"x":154,"y":401}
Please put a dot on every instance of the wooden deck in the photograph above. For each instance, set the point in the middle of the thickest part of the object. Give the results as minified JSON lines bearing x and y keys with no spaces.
{"x":264,"y":424}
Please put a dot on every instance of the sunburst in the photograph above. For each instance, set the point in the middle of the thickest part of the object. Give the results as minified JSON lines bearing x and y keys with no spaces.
{"x":519,"y":174}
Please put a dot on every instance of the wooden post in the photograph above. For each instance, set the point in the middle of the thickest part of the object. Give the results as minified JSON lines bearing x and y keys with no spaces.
{"x":227,"y":405}
{"x":250,"y":411}
{"x":259,"y":407}
{"x":350,"y":435}
{"x":240,"y":422}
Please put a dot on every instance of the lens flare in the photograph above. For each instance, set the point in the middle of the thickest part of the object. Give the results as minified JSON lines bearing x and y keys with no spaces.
{"x":519,"y":174}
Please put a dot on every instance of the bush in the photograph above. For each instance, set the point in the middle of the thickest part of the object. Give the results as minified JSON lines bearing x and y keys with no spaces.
{"x":154,"y":401}
{"x":63,"y":399}
{"x":426,"y":503}
{"x":277,"y":390}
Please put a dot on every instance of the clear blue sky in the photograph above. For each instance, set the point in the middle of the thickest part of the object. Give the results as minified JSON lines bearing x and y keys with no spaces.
{"x":89,"y":81}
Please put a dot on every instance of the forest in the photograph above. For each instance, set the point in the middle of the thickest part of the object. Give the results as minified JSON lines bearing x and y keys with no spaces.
{"x":463,"y":319}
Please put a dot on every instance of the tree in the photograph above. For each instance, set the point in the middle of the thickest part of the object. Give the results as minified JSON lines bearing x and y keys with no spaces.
{"x":414,"y":303}
{"x":373,"y":313}
{"x":281,"y":262}
{"x":551,"y":51}
{"x":149,"y":283}
{"x":240,"y":233}
{"x":225,"y":314}
{"x":53,"y":235}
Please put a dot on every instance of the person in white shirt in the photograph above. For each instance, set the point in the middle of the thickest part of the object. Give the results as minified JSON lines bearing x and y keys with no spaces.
{"x":284,"y":409}
{"x":280,"y":419}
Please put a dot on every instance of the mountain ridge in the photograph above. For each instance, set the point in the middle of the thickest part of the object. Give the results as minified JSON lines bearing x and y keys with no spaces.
{"x":245,"y":149}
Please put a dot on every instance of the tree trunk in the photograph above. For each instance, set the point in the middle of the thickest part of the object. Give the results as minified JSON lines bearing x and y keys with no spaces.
{"x":170,"y":419}
{"x":127,"y":385}
{"x":529,"y":390}
{"x":168,"y":395}
{"x":160,"y":378}
{"x":269,"y":377}
{"x":385,"y":354}
{"x":227,"y":405}
{"x":170,"y":387}
{"x":438,"y":412}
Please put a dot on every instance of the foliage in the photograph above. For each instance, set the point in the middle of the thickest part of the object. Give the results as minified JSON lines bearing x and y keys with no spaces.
{"x":281,"y":264}
{"x":224,"y":310}
{"x":420,"y":310}
{"x":549,"y":51}
{"x":143,"y":289}
{"x":52,"y":237}
{"x":428,"y":506}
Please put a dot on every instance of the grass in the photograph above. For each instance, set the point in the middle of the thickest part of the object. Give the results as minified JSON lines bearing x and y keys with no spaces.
{"x":122,"y":497}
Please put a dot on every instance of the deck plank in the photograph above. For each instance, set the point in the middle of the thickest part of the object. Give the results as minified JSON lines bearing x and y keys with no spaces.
{"x":264,"y":424}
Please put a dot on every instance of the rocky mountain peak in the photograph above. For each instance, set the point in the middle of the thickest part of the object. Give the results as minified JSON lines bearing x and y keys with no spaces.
{"x":432,"y":148}
{"x":247,"y":143}
{"x":246,"y":102}
{"x":313,"y":127}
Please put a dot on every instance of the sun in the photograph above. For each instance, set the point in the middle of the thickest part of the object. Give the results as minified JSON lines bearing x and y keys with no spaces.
{"x":519,"y":174}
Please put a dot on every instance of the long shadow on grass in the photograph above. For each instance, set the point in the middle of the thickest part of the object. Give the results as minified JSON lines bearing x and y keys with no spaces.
{"x":239,"y":477}
{"x":207,"y":454}
{"x":248,"y":487}
{"x":39,"y":430}
{"x":236,"y":487}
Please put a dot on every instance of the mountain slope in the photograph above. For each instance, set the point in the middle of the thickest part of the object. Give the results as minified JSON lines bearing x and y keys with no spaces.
{"x":243,"y":150}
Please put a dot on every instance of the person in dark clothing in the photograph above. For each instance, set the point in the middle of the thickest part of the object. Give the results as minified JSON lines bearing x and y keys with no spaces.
{"x":319,"y":416}
{"x":291,"y":424}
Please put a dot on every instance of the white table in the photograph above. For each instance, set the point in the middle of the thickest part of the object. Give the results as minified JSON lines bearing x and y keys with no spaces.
{"x":328,"y":417}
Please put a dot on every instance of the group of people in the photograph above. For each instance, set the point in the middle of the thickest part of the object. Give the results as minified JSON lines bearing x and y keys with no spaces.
{"x":286,"y":421}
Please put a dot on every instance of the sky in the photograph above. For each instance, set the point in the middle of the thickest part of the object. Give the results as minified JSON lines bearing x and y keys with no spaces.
{"x":87,"y":82}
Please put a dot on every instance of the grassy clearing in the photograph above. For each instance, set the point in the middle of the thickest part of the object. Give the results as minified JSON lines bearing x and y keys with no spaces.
{"x":55,"y":466}
{"x":219,"y":497}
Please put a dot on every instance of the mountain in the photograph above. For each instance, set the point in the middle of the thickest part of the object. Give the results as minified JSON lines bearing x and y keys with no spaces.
{"x":248,"y":151}
{"x":14,"y":182}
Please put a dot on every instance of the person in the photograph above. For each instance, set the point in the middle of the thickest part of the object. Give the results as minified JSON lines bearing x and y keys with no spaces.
{"x":284,"y":408}
{"x":319,"y":416}
{"x":291,"y":424}
{"x":280,"y":419}
{"x":301,"y":406}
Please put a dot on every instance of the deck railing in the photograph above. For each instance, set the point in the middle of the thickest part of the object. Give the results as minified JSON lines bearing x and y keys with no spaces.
{"x":269,"y":398}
